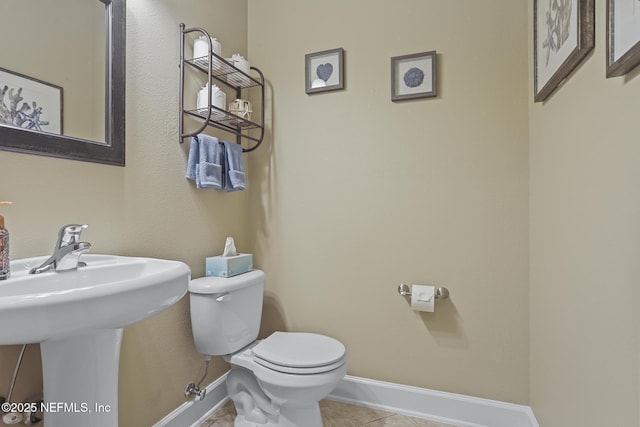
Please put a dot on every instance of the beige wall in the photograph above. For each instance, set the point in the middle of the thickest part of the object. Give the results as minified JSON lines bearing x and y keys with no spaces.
{"x":354,"y":194}
{"x":585,"y":205}
{"x":147,"y":208}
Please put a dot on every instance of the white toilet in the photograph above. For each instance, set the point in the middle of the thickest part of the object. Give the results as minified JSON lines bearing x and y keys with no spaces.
{"x":277,"y":381}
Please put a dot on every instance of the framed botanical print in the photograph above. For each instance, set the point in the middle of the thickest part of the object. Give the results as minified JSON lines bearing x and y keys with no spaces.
{"x":563,"y":36}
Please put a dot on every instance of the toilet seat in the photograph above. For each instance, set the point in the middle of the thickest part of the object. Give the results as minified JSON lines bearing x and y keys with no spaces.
{"x":299,"y":353}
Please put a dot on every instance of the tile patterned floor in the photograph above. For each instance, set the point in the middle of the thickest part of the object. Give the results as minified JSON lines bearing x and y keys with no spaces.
{"x":335,"y":414}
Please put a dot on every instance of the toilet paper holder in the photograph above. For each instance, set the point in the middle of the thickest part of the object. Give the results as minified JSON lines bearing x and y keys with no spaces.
{"x":440,"y":293}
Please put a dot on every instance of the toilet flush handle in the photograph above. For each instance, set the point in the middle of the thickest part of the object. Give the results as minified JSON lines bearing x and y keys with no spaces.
{"x":223,"y":297}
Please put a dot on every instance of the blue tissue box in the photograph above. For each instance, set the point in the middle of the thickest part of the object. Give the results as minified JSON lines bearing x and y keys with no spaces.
{"x":228,"y":266}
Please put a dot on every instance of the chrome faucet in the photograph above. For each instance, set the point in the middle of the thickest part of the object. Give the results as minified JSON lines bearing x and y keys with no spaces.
{"x":67,"y":251}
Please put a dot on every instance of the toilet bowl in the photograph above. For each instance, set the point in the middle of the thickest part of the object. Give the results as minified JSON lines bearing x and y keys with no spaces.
{"x":277,"y":381}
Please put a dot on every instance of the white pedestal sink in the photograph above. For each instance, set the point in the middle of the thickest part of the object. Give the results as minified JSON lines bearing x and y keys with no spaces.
{"x":78,"y":317}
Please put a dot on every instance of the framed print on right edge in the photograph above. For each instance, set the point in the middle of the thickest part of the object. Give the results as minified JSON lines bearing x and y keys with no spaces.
{"x":563,"y":35}
{"x":623,"y":36}
{"x":413,"y":76}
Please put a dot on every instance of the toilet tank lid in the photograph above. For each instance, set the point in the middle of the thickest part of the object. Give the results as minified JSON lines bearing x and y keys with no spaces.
{"x":216,"y":285}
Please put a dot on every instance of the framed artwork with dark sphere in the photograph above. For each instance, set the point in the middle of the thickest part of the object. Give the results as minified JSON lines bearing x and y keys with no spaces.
{"x":413,"y":76}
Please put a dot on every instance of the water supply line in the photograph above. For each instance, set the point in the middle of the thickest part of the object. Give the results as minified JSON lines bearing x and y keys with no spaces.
{"x":14,"y":417}
{"x":193,"y":388}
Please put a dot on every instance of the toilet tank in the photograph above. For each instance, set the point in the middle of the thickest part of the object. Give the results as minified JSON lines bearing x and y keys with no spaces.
{"x":226,"y":311}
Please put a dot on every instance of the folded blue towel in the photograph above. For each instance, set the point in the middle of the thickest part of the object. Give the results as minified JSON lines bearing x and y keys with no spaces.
{"x":211,"y":163}
{"x":206,"y":162}
{"x":234,"y":179}
{"x":194,"y":159}
{"x":215,"y":165}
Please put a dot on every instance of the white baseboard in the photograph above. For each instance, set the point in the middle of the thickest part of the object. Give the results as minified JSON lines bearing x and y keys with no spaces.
{"x":457,"y":409}
{"x":194,"y":412}
{"x":432,"y":405}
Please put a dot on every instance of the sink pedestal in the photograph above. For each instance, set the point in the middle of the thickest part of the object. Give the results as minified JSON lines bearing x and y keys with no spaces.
{"x":80,"y":379}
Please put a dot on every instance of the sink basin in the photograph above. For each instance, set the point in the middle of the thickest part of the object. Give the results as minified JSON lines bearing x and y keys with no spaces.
{"x":78,"y":317}
{"x":110,"y":292}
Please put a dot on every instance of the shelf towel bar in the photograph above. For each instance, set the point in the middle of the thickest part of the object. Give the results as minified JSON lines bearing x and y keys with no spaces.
{"x":217,"y":69}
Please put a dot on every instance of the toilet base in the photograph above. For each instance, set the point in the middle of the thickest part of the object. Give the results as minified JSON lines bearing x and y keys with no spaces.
{"x":307,"y":416}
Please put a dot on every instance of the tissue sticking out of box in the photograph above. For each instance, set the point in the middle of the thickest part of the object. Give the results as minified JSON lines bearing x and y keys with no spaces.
{"x":229,"y":248}
{"x":230,"y":263}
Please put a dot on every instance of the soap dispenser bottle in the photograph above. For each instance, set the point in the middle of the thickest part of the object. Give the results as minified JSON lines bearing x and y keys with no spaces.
{"x":4,"y":248}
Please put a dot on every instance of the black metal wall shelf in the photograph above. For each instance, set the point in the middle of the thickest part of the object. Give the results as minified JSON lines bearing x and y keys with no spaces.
{"x":218,"y":69}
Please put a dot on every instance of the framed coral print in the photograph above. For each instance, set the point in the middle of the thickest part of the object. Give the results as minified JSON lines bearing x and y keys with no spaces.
{"x":29,"y":103}
{"x":563,"y":36}
{"x":413,"y":76}
{"x":623,"y":36}
{"x":324,"y":71}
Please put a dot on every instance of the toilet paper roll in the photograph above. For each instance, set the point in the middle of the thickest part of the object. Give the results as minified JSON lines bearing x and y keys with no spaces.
{"x":423,"y":298}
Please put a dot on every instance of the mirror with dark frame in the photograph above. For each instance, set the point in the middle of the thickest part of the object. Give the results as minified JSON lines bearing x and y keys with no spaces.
{"x":23,"y":125}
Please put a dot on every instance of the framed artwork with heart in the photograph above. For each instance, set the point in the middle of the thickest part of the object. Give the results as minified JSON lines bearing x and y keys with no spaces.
{"x":324,"y":71}
{"x":413,"y":76}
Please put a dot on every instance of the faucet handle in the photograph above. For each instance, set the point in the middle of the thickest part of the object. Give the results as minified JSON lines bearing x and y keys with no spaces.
{"x":70,"y":234}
